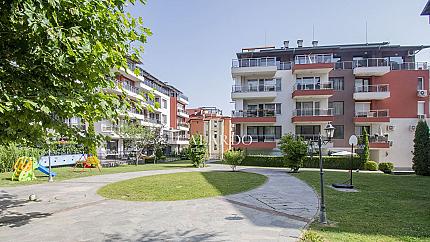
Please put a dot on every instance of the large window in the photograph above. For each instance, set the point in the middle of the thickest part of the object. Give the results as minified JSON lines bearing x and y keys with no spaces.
{"x":337,"y":83}
{"x":420,"y":85}
{"x":337,"y":107}
{"x":305,"y":130}
{"x":308,"y":83}
{"x":265,"y":132}
{"x":338,"y":132}
{"x":421,"y":107}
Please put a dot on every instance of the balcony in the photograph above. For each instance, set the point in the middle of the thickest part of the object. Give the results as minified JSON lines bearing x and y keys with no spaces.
{"x":252,"y":66}
{"x":371,"y":67}
{"x":347,"y":65}
{"x":372,"y":92}
{"x":178,"y":140}
{"x":312,"y":90}
{"x":255,"y":142}
{"x":183,"y":99}
{"x":253,"y":116}
{"x":313,"y":64}
{"x":182,"y":113}
{"x":312,"y":115}
{"x":254,"y":92}
{"x":378,"y":142}
{"x":183,"y":126}
{"x":372,"y":116}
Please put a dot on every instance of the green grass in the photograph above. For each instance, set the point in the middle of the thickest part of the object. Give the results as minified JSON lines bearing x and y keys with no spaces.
{"x":65,"y":173}
{"x":386,"y":208}
{"x":182,"y":186}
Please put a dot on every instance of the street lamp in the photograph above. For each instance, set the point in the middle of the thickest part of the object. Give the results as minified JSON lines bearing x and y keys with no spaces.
{"x":329,"y":130}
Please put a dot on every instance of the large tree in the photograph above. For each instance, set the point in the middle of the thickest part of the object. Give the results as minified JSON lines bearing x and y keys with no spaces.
{"x":56,"y":56}
{"x":421,"y":158}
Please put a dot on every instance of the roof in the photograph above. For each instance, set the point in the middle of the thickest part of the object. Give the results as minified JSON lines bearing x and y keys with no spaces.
{"x":426,"y":9}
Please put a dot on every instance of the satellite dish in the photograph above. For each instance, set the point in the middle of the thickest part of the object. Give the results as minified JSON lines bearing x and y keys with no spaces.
{"x":353,"y":140}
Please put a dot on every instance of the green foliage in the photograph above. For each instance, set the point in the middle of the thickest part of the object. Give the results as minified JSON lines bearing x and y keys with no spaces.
{"x":421,"y":158}
{"x":311,"y":236}
{"x":233,"y":158}
{"x":371,"y":166}
{"x":329,"y":162}
{"x":294,"y":150}
{"x":386,"y":167}
{"x":67,"y":149}
{"x":197,"y":151}
{"x":9,"y":153}
{"x":365,"y":155}
{"x":55,"y":57}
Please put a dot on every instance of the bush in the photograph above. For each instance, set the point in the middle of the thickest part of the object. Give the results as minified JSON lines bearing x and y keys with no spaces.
{"x":233,"y":158}
{"x":294,"y":151}
{"x":371,"y":166}
{"x":197,"y":151}
{"x":386,"y":167}
{"x":9,"y":154}
{"x":329,"y":162}
{"x":311,"y":236}
{"x":421,"y":159}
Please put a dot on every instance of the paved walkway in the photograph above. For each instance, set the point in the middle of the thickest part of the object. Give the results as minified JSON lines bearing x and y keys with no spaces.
{"x":72,"y":211}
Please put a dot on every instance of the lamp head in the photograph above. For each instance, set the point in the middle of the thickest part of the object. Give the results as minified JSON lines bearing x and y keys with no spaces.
{"x":329,"y":130}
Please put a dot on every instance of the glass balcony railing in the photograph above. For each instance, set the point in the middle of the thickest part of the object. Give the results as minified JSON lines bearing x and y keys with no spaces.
{"x":313,"y":59}
{"x":254,"y":113}
{"x":256,"y":88}
{"x":254,"y":62}
{"x":313,"y":112}
{"x":383,"y":113}
{"x":312,"y":86}
{"x":371,"y":88}
{"x":259,"y":138}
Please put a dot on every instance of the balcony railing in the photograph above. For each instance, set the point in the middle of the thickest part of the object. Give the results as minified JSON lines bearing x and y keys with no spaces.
{"x":376,"y":138}
{"x":181,"y":111}
{"x":371,"y":62}
{"x":307,"y":137}
{"x":153,"y":120}
{"x":383,"y":113}
{"x":183,"y":97}
{"x":109,"y":128}
{"x":259,"y":88}
{"x":259,"y":138}
{"x":284,"y":65}
{"x":378,"y":62}
{"x":313,"y":86}
{"x":409,"y":66}
{"x":313,"y":112}
{"x":254,"y":62}
{"x":254,"y":113}
{"x":182,"y":124}
{"x":313,"y":59}
{"x":372,"y":88}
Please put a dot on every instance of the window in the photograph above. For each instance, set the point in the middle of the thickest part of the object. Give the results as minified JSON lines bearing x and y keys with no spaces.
{"x":338,"y":132}
{"x":361,"y":85}
{"x":164,"y":117}
{"x":307,"y":108}
{"x":421,"y":107}
{"x":359,"y":130}
{"x":164,"y":103}
{"x":308,"y":83}
{"x":420,"y":83}
{"x":337,"y":107}
{"x":337,"y":83}
{"x":362,"y":109}
{"x":308,"y":131}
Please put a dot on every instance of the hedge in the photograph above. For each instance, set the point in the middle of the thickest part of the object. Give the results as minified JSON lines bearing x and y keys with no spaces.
{"x":9,"y":154}
{"x":329,"y":162}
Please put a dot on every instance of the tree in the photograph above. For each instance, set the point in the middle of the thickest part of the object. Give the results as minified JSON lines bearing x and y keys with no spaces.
{"x":233,"y":158}
{"x":159,"y":142}
{"x":294,"y":150}
{"x":365,"y":141}
{"x":139,"y":138}
{"x":421,"y":158}
{"x":197,"y":150}
{"x":56,"y":57}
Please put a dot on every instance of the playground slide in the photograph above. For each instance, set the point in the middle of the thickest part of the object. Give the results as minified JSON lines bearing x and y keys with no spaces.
{"x":46,"y":170}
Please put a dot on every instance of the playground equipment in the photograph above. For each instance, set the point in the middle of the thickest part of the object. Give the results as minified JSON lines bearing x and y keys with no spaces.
{"x":23,"y":169}
{"x":88,"y":162}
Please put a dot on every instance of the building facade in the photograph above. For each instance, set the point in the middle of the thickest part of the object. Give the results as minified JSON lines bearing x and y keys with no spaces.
{"x":213,"y":127}
{"x":169,"y":117}
{"x":375,"y":87}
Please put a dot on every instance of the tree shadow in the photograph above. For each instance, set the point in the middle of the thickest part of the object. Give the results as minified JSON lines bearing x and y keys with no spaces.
{"x":14,"y":219}
{"x":152,"y":235}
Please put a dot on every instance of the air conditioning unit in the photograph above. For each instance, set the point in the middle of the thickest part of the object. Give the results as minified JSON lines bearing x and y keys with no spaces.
{"x":422,"y":93}
{"x":390,"y":128}
{"x":412,"y":127}
{"x":421,"y":116}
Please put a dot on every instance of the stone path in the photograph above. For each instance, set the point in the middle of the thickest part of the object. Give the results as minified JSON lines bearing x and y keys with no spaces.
{"x":72,"y":211}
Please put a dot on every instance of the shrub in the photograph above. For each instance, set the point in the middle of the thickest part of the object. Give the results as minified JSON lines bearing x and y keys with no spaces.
{"x":329,"y":162}
{"x":197,"y":150}
{"x":371,"y":166}
{"x":294,"y":151}
{"x":365,"y":154}
{"x":386,"y":167}
{"x":421,"y":159}
{"x":9,"y":154}
{"x":311,"y":236}
{"x":233,"y":158}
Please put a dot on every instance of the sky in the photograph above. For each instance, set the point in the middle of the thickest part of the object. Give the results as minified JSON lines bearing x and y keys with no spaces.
{"x":194,"y":41}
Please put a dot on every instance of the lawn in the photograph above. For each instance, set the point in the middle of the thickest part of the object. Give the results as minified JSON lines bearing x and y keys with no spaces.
{"x":386,"y":208}
{"x":64,"y":173}
{"x":182,"y":186}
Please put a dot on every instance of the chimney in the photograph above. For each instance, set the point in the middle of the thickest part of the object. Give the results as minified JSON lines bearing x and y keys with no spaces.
{"x":314,"y":43}
{"x":299,"y":43}
{"x":286,"y":42}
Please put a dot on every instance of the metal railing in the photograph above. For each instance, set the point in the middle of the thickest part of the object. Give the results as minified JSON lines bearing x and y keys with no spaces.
{"x":284,"y":65}
{"x":372,"y":88}
{"x":382,"y":113}
{"x":183,"y":97}
{"x":259,"y":138}
{"x":259,"y":88}
{"x":109,"y":128}
{"x":182,"y":124}
{"x":371,"y":62}
{"x":376,"y":62}
{"x":409,"y":66}
{"x":153,"y":120}
{"x":307,"y":137}
{"x":313,"y":112}
{"x":376,"y":138}
{"x":312,"y":86}
{"x":181,"y":111}
{"x":254,"y":62}
{"x":254,"y":113}
{"x":312,"y":59}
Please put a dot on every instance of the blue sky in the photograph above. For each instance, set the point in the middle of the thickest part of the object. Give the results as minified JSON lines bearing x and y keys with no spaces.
{"x":194,"y":41}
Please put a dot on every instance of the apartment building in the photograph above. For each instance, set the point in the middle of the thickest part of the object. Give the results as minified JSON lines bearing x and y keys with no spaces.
{"x":168,"y":118}
{"x":214,"y":128}
{"x":375,"y":87}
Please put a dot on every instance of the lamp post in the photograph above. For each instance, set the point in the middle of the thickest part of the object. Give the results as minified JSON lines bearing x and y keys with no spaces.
{"x":329,"y":129}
